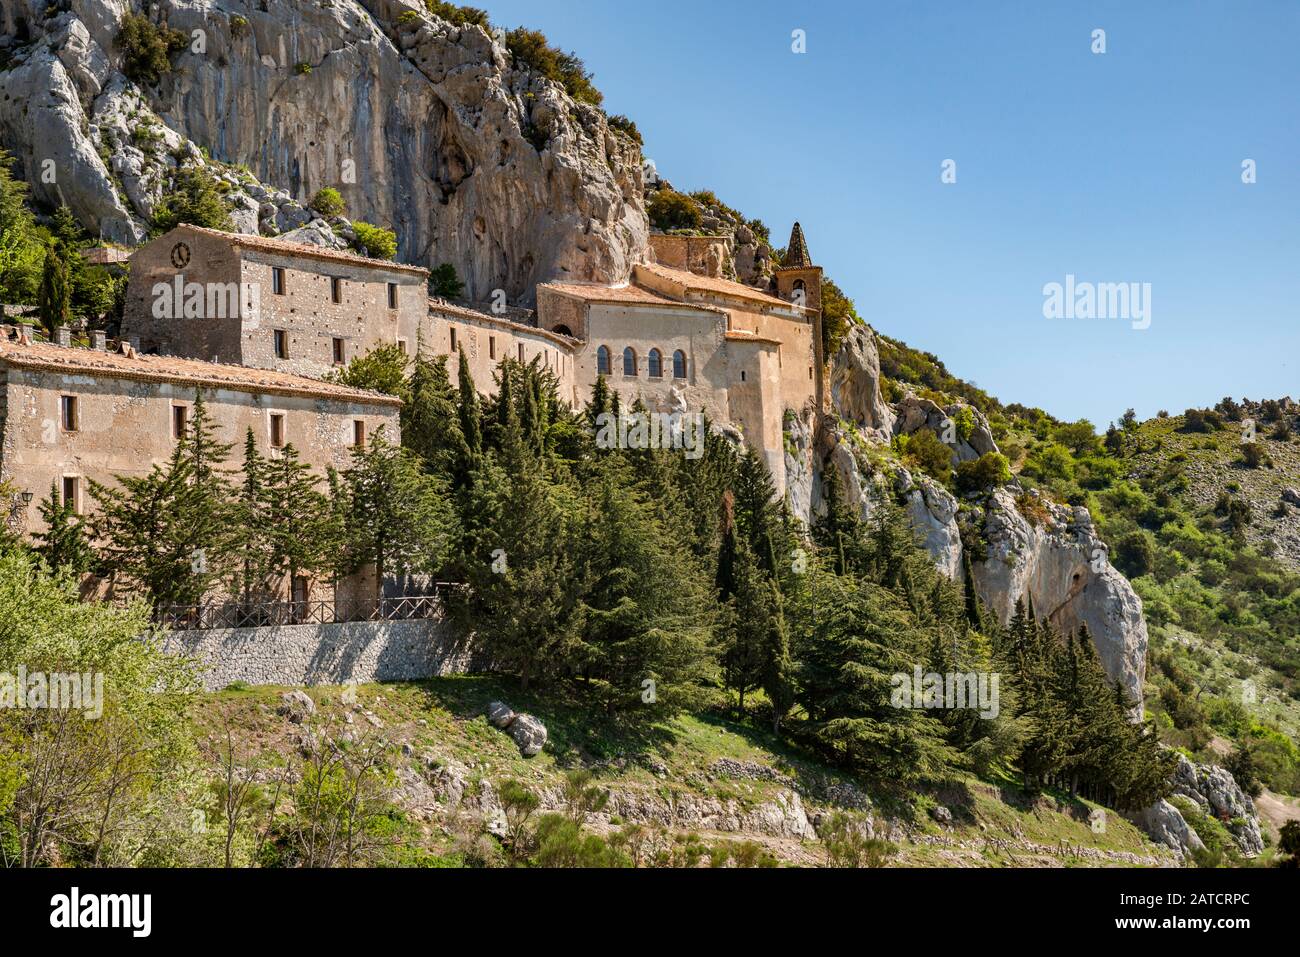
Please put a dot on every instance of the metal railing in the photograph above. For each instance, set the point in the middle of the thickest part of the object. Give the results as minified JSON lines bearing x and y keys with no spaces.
{"x":259,"y":614}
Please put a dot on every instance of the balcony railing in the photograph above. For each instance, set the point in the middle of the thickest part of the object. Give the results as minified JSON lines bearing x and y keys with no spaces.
{"x":261,"y":614}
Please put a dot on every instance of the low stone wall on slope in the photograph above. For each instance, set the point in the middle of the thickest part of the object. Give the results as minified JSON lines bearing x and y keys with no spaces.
{"x":315,"y":654}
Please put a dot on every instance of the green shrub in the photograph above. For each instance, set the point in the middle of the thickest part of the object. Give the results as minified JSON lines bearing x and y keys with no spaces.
{"x":445,"y":283}
{"x":621,"y":123}
{"x":531,"y":49}
{"x":328,"y":202}
{"x":460,"y":16}
{"x":671,"y":210}
{"x":147,"y":49}
{"x":1135,"y":555}
{"x":302,"y":68}
{"x":988,"y":470}
{"x":924,"y":450}
{"x":1255,"y":455}
{"x":374,"y":241}
{"x":195,"y":199}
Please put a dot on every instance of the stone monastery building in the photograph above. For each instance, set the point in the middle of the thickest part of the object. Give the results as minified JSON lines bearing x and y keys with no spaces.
{"x":254,"y":323}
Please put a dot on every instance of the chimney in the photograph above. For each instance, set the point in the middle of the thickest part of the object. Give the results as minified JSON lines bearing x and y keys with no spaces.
{"x":98,"y":340}
{"x":63,"y":336}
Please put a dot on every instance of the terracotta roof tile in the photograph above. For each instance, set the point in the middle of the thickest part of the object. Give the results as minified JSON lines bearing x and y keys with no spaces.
{"x":723,"y":287}
{"x":74,"y":360}
{"x":623,"y":295}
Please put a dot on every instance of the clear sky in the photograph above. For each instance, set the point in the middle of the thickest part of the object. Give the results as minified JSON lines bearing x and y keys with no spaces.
{"x":1117,"y":167}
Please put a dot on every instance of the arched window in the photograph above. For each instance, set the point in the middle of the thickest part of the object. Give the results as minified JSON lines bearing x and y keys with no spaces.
{"x":629,"y":361}
{"x":656,"y":361}
{"x":679,"y":364}
{"x":798,"y":284}
{"x":602,"y":360}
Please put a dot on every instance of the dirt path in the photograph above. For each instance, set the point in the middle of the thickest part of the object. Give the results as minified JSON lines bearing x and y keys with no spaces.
{"x":1275,"y":810}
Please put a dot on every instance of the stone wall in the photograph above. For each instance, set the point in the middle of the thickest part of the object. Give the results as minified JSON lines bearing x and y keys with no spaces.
{"x":486,"y":340}
{"x":125,"y":427}
{"x":363,"y":651}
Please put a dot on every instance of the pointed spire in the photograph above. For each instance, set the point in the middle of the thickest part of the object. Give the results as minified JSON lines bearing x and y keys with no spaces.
{"x":796,"y":251}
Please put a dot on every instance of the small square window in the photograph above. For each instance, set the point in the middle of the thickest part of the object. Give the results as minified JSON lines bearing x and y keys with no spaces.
{"x":336,"y":289}
{"x":68,"y":413}
{"x":180,"y":421}
{"x":340,"y":356}
{"x":392,"y":295}
{"x":71,"y":492}
{"x":281,"y":344}
{"x":358,"y":432}
{"x":277,"y":430}
{"x":277,"y":280}
{"x":401,"y":346}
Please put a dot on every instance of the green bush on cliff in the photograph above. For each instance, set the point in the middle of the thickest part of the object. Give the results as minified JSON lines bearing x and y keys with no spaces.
{"x":374,"y":241}
{"x":531,"y":49}
{"x":669,"y":209}
{"x":147,"y":48}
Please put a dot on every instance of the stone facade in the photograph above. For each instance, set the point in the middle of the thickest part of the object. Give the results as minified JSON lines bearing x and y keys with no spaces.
{"x":363,"y":651}
{"x":486,"y":340}
{"x":267,"y":303}
{"x":124,"y":416}
{"x":742,"y":355}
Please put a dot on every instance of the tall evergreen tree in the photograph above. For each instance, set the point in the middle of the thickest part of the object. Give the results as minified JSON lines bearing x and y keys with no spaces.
{"x":63,"y":544}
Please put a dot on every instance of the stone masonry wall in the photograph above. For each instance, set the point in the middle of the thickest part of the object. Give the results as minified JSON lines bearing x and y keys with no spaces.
{"x":364,"y":651}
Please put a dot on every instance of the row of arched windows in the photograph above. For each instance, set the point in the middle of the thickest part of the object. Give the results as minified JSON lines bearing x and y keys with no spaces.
{"x":631,"y":364}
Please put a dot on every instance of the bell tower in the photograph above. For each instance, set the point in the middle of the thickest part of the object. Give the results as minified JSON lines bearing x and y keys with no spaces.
{"x":800,"y":282}
{"x":797,"y":279}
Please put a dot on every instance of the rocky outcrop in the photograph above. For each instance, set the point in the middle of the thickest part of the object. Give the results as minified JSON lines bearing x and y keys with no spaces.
{"x":1164,"y":824}
{"x":800,"y":476}
{"x":933,"y":512}
{"x":1028,"y":549}
{"x":527,"y":731}
{"x":1051,"y":555}
{"x":855,"y":385}
{"x":422,"y":126}
{"x":1217,"y":793}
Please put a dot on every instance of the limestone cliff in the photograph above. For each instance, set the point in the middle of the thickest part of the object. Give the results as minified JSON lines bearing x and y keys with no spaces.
{"x":423,"y":126}
{"x":1023,"y":547}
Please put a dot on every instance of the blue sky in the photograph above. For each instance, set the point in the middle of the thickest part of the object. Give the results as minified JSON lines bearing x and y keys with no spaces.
{"x":1119,"y":167}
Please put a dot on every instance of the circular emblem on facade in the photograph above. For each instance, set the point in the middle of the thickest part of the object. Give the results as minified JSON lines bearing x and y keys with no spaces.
{"x":180,"y":255}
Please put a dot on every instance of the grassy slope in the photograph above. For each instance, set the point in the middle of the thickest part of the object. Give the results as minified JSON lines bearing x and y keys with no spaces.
{"x":991,"y":826}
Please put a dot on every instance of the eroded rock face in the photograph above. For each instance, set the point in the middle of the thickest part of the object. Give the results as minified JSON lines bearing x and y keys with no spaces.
{"x":1217,"y":793}
{"x":1053,"y":557}
{"x":799,"y":472}
{"x":1057,"y":561}
{"x":1164,"y":824}
{"x":422,"y":126}
{"x":855,"y":384}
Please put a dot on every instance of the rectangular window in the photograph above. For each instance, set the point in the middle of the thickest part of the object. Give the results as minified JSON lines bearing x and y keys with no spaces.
{"x":358,"y":432}
{"x":453,"y":338}
{"x":277,"y":280}
{"x":339,"y":356}
{"x":401,"y":346}
{"x":281,"y":344}
{"x":392,"y":295}
{"x":68,"y":412}
{"x":277,"y":430}
{"x":336,"y":289}
{"x":492,"y":347}
{"x":180,"y":421}
{"x":72,"y":492}
{"x":521,"y":352}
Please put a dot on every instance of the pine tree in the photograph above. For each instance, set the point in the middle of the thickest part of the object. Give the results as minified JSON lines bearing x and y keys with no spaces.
{"x":55,"y":298}
{"x":397,"y":516}
{"x":470,"y":425}
{"x":63,"y":543}
{"x":430,"y":419}
{"x":303,"y":537}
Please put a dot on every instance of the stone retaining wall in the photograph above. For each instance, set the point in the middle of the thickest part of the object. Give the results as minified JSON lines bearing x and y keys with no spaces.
{"x":362,"y":651}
